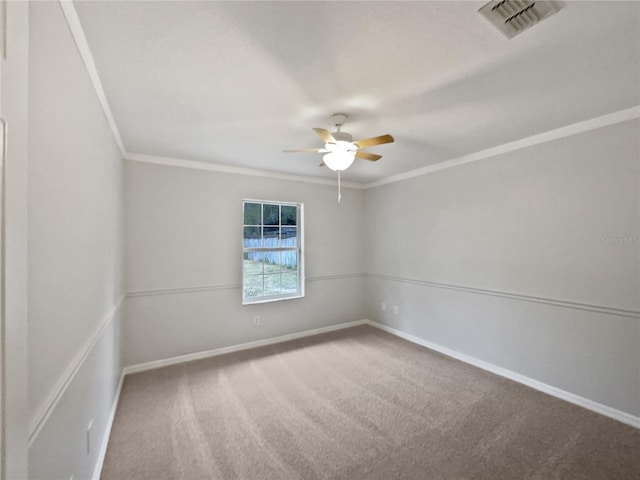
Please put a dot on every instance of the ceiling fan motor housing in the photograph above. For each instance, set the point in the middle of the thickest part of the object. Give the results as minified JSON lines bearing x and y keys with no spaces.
{"x":342,"y":136}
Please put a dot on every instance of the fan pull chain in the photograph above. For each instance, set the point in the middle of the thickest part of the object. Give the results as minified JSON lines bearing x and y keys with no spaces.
{"x":339,"y":192}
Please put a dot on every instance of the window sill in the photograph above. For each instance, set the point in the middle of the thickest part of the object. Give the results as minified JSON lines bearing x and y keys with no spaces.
{"x":246,"y":301}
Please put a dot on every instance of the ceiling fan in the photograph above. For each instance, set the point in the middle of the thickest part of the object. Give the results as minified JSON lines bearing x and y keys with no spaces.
{"x":339,"y":148}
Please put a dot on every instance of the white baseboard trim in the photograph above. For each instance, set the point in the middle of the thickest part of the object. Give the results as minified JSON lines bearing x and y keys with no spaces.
{"x":97,"y":469}
{"x":596,"y":407}
{"x":235,"y":348}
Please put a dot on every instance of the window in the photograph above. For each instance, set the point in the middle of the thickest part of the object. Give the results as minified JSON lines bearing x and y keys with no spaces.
{"x":272,"y":263}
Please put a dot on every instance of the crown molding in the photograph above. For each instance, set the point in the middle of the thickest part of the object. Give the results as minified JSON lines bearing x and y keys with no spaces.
{"x":83,"y":47}
{"x":73,"y":21}
{"x":216,"y":167}
{"x":562,"y":132}
{"x":567,"y":131}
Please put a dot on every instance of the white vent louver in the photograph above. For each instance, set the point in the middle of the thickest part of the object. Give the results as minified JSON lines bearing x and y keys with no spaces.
{"x":512,"y":17}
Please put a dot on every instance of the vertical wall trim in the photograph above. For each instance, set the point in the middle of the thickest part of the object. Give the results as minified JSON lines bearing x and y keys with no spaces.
{"x":14,"y":71}
{"x":97,"y":469}
{"x":3,"y":388}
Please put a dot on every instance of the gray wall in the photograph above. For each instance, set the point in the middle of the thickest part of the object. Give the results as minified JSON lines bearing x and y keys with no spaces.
{"x":528,"y":261}
{"x":183,"y":256}
{"x":75,"y":270}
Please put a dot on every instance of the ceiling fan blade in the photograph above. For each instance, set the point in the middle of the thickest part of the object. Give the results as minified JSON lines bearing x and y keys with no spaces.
{"x":368,"y":156}
{"x":370,"y":142}
{"x":325,"y":135}
{"x":307,"y":150}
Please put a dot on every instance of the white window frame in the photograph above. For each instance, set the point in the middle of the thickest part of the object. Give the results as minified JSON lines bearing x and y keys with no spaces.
{"x":299,"y":248}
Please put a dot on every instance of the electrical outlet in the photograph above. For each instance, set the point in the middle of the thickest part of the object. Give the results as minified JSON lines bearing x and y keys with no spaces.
{"x":256,"y":320}
{"x":383,"y":307}
{"x":89,"y":436}
{"x":395,"y":310}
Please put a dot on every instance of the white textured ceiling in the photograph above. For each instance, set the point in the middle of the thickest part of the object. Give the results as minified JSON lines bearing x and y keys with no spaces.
{"x":235,"y":83}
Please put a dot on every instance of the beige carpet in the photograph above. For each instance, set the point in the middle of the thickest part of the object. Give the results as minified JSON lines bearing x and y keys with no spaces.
{"x":355,"y":404}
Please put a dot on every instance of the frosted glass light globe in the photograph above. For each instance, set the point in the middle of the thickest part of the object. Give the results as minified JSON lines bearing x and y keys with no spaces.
{"x":341,"y":155}
{"x":338,"y":161}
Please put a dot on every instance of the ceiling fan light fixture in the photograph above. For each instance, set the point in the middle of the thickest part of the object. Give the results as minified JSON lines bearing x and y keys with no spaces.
{"x":341,"y":155}
{"x":340,"y":150}
{"x":339,"y":160}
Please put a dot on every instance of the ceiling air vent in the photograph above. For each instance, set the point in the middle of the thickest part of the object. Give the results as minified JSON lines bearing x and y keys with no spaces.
{"x":514,"y":16}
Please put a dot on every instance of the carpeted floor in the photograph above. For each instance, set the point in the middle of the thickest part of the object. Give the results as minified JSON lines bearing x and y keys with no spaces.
{"x":355,"y":404}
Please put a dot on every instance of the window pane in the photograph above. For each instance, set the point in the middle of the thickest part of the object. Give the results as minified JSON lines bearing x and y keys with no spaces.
{"x":271,"y":214}
{"x":289,"y":282}
{"x":272,"y":284}
{"x":290,"y":260}
{"x":253,"y":263}
{"x":252,"y":237}
{"x":253,"y":214}
{"x":253,"y":286}
{"x":270,"y":235}
{"x":268,"y":272}
{"x":289,"y":236}
{"x":272,"y":262}
{"x":288,"y":215}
